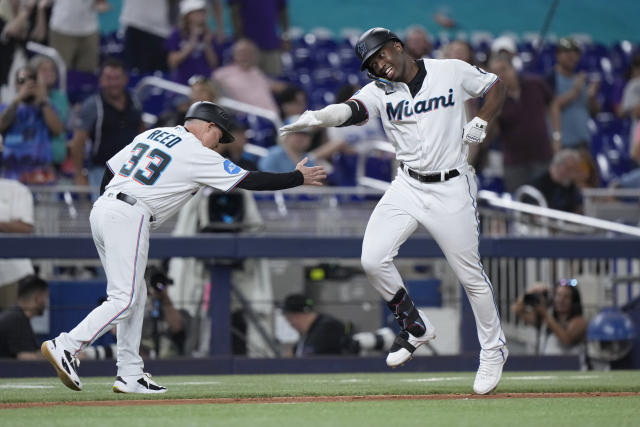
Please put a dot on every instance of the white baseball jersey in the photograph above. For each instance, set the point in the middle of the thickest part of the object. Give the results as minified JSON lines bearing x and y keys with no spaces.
{"x":426,"y":130}
{"x":164,"y":167}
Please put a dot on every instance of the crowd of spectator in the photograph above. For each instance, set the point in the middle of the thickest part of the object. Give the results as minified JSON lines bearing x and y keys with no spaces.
{"x":47,"y":137}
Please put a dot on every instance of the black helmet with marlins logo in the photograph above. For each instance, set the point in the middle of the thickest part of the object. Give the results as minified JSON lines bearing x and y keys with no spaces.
{"x":371,"y":41}
{"x":213,"y":113}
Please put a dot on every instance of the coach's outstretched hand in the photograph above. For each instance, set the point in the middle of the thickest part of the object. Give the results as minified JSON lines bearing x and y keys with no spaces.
{"x":314,"y":175}
{"x":306,"y":120}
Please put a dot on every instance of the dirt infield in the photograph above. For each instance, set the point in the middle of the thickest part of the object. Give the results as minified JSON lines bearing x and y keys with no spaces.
{"x":312,"y":399}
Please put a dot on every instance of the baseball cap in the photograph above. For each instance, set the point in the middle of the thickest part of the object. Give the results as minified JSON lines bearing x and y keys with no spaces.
{"x":504,"y":43}
{"x":188,"y":6}
{"x":567,"y":44}
{"x":297,"y":303}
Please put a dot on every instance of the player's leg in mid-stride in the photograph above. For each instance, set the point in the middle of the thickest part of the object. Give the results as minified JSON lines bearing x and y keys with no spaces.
{"x":453,"y":222}
{"x":121,"y":235}
{"x":389,"y":227}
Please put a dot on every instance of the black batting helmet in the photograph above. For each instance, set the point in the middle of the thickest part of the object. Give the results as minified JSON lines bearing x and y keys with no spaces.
{"x":371,"y":41}
{"x":210,"y":112}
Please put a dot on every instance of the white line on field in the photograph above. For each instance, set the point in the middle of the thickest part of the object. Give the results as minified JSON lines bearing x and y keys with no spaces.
{"x":432,"y":380}
{"x":25,"y":386}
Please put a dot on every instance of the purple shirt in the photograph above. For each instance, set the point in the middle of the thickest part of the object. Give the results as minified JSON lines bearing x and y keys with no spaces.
{"x":194,"y":64}
{"x":260,"y":20}
{"x":523,"y":124}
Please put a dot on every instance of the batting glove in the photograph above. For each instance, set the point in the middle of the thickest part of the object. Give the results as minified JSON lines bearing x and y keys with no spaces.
{"x":306,"y":120}
{"x":475,"y":131}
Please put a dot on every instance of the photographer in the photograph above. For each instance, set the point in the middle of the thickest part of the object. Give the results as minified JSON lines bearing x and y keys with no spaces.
{"x":561,"y":326}
{"x":164,"y":330}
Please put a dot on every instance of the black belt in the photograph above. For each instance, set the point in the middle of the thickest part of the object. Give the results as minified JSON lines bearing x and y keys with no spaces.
{"x":432,"y":177}
{"x":132,"y":201}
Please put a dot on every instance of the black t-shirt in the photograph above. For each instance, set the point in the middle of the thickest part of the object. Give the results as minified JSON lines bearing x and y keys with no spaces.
{"x":568,"y":199}
{"x":16,"y":334}
{"x":326,"y":335}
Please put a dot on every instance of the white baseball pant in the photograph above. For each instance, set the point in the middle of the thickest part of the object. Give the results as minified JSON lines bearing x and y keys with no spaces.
{"x":121,"y":235}
{"x":448,"y":211}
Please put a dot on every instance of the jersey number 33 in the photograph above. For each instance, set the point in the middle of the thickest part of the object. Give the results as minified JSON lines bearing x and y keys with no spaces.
{"x":149,"y":174}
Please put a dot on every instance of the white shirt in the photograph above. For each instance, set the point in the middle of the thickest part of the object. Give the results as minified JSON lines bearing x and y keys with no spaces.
{"x":164,"y":167}
{"x":74,"y":17}
{"x":16,"y":204}
{"x":426,"y":130}
{"x":151,"y":16}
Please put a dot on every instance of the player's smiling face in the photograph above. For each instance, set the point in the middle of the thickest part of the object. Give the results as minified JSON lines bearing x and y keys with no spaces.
{"x":388,"y":62}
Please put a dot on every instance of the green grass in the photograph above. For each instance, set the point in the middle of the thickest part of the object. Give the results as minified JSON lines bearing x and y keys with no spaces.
{"x":193,"y":387}
{"x":465,"y":411}
{"x":618,"y":412}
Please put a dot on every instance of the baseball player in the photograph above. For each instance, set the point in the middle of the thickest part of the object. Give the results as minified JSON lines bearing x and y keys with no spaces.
{"x":144,"y":184}
{"x":421,"y":105}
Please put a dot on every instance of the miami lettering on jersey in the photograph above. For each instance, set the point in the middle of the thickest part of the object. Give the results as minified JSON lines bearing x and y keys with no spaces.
{"x":404,"y":108}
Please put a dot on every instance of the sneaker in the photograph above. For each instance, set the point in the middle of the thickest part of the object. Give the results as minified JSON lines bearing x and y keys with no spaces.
{"x":65,"y":364}
{"x":137,"y":384}
{"x":489,"y":374}
{"x":405,"y":344}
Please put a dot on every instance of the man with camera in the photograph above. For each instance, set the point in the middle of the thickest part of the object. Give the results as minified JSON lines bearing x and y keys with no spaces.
{"x":27,"y":124}
{"x":561,"y":326}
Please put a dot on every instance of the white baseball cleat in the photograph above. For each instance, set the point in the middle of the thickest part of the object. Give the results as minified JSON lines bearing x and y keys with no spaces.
{"x":137,"y":384}
{"x":65,"y":364}
{"x":489,"y":374}
{"x":405,"y":344}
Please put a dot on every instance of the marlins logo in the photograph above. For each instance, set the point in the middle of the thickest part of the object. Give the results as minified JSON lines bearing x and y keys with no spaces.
{"x":362,"y":48}
{"x":231,"y":167}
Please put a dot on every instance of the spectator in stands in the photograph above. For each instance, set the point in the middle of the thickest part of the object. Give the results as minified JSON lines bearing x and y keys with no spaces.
{"x":27,"y":124}
{"x":575,"y":99}
{"x":110,"y":119}
{"x":202,"y":89}
{"x":235,"y":151}
{"x":631,"y":179}
{"x":522,"y":124}
{"x":292,"y":101}
{"x":20,"y":21}
{"x":293,"y":148}
{"x":562,"y":328}
{"x":558,"y":183}
{"x":146,"y":25}
{"x":191,"y":46}
{"x":75,"y":33}
{"x":319,"y":333}
{"x":417,"y":42}
{"x":16,"y":216}
{"x":47,"y":76}
{"x":244,"y":81}
{"x":459,"y":49}
{"x":630,"y":104}
{"x":17,"y":340}
{"x":504,"y":46}
{"x":257,"y":20}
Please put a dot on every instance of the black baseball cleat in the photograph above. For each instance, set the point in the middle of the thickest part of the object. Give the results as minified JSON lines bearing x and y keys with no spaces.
{"x":137,"y":384}
{"x":65,"y":364}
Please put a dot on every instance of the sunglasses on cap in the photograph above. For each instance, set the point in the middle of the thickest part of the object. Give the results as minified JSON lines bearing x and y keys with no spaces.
{"x":568,"y":282}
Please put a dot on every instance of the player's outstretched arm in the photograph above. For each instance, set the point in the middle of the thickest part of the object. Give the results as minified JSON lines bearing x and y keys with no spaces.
{"x":331,"y":115}
{"x":314,"y":175}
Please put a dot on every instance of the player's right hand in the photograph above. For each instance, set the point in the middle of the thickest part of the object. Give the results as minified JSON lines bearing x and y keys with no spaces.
{"x":314,"y":175}
{"x":306,"y":120}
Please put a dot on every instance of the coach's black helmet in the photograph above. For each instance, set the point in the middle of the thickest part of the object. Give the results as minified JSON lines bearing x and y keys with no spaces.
{"x":210,"y":112}
{"x":371,"y":41}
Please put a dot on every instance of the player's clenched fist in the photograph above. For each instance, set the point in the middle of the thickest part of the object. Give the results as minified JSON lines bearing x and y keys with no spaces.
{"x":312,"y":175}
{"x":475,"y":131}
{"x":306,"y":120}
